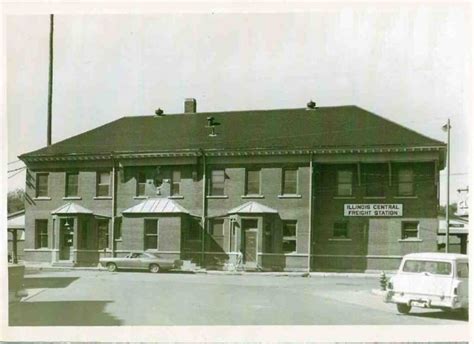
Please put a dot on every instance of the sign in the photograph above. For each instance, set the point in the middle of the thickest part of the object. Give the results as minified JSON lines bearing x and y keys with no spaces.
{"x":373,"y":210}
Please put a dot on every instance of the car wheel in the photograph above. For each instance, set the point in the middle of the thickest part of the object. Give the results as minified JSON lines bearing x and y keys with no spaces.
{"x":403,"y":308}
{"x":111,"y":267}
{"x":154,"y":268}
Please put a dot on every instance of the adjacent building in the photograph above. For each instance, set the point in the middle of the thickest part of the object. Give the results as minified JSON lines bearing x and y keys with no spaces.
{"x":319,"y":188}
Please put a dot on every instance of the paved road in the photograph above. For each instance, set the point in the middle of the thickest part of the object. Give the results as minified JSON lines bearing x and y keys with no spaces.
{"x":135,"y":298}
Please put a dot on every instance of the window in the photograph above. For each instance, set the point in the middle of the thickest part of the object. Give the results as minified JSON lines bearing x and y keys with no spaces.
{"x":72,"y":184}
{"x":289,"y":236}
{"x":340,"y":230}
{"x":290,"y":181}
{"x":151,"y":234}
{"x":41,"y":232}
{"x":194,"y":230}
{"x":103,"y":184}
{"x":217,"y":182}
{"x":409,"y":230}
{"x":141,"y":183}
{"x":374,"y":180}
{"x":217,"y":227}
{"x":103,"y":234}
{"x":118,"y":229}
{"x":344,"y":183}
{"x":84,"y":234}
{"x":463,"y":270}
{"x":406,"y":185}
{"x":176,"y":183}
{"x":252,"y":182}
{"x":42,"y":185}
{"x":217,"y":235}
{"x":432,"y":267}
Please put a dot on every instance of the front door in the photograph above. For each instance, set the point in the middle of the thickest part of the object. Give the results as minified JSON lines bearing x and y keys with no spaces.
{"x":249,"y":231}
{"x":66,"y":239}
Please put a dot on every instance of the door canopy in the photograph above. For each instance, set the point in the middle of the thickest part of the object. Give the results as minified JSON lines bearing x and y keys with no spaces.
{"x":156,"y":206}
{"x":252,"y":208}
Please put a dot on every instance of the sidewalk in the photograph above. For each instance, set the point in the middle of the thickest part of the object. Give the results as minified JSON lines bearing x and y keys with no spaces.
{"x":32,"y":268}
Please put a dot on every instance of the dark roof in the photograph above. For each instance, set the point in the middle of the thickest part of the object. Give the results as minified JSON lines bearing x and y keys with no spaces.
{"x":324,"y":127}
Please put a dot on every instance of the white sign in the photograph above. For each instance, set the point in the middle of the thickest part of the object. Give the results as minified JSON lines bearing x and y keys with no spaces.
{"x":373,"y":210}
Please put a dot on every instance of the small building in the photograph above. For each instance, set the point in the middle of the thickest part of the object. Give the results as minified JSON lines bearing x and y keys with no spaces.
{"x":16,"y":235}
{"x":320,"y":188}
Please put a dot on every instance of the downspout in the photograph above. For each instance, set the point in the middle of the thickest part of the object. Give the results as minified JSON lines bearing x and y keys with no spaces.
{"x":113,"y":205}
{"x":204,"y":204}
{"x":310,"y":220}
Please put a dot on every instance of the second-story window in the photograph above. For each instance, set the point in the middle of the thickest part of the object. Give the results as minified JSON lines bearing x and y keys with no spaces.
{"x":103,"y":184}
{"x":406,"y":182}
{"x":374,"y":180}
{"x":217,"y":182}
{"x":42,"y":185}
{"x":72,"y":184}
{"x":290,"y":181}
{"x":141,"y":183}
{"x":176,"y":183}
{"x":252,"y":182}
{"x":344,"y":183}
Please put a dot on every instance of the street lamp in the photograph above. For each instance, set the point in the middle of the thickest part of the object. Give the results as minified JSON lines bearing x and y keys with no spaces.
{"x":447,"y":128}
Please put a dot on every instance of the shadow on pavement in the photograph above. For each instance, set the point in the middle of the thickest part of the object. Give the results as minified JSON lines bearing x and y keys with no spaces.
{"x":48,"y":282}
{"x":61,"y":313}
{"x":448,"y":315}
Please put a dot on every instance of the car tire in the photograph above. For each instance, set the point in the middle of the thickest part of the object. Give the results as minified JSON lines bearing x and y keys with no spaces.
{"x":403,"y":308}
{"x":154,"y":268}
{"x":112,"y":267}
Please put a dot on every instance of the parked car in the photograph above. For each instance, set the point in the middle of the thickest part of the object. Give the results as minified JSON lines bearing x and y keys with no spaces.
{"x":138,"y":260}
{"x":430,"y":280}
{"x":16,"y":289}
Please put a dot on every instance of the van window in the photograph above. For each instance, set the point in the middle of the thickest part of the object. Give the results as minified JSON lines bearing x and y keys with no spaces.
{"x":432,"y":267}
{"x":463,"y":270}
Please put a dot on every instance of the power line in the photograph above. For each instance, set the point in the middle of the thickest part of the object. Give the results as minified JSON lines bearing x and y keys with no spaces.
{"x":17,"y":169}
{"x":12,"y":162}
{"x":14,"y":174}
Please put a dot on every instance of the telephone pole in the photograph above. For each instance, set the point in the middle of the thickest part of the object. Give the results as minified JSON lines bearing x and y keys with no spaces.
{"x":447,"y":128}
{"x":50,"y":81}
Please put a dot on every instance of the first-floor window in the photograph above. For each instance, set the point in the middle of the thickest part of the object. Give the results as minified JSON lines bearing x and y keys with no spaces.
{"x":118,"y":229}
{"x":41,"y":232}
{"x":410,"y":229}
{"x":289,"y":236}
{"x":103,"y":234}
{"x":194,"y":230}
{"x":151,"y":234}
{"x":340,"y":230}
{"x":217,"y":234}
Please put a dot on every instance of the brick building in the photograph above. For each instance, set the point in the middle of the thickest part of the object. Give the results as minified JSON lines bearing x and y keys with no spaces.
{"x":336,"y":188}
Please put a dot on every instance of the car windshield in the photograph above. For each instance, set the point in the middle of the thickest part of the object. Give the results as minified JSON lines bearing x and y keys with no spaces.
{"x":432,"y":267}
{"x":463,"y":270}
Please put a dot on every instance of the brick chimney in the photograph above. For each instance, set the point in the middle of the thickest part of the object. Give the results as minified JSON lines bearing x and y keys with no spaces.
{"x":190,"y":105}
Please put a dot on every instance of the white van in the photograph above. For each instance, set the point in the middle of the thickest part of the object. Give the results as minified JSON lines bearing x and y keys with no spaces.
{"x":430,"y":280}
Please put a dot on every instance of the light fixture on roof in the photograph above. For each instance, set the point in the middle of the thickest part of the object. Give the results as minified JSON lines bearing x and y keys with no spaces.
{"x":212,"y":125}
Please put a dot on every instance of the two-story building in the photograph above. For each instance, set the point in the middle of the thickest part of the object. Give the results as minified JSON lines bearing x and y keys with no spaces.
{"x":325,"y":188}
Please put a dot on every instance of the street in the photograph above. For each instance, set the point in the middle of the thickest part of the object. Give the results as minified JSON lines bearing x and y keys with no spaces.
{"x":100,"y":298}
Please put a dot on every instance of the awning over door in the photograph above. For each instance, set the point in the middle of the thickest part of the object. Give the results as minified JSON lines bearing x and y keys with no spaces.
{"x":70,"y":209}
{"x":156,"y":206}
{"x":252,"y":208}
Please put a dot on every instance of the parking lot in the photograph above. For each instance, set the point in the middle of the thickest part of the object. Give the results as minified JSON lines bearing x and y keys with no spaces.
{"x":100,"y":298}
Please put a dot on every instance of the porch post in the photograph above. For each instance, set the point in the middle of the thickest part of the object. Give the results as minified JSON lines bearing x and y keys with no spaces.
{"x":54,"y":241}
{"x":112,"y":236}
{"x":204,"y":204}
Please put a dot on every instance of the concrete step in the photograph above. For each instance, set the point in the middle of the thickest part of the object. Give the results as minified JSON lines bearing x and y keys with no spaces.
{"x":63,"y":264}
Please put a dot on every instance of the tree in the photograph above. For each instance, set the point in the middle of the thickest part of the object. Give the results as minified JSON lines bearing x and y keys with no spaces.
{"x":453,"y":207}
{"x":16,"y":201}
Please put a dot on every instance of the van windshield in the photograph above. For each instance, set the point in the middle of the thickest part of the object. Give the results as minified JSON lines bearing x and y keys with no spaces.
{"x":432,"y":267}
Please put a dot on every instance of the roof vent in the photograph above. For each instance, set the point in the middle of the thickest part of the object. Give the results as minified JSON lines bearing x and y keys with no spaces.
{"x":159,"y":112}
{"x":311,"y":105}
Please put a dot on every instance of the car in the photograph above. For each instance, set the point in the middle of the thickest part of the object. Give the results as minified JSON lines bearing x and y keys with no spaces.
{"x":430,"y":280}
{"x":138,"y":260}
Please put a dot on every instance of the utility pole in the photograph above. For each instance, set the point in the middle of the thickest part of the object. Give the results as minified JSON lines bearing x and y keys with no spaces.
{"x":447,"y":128}
{"x":50,"y":81}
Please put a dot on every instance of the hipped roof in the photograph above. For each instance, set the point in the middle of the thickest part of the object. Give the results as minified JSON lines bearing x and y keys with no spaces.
{"x":252,"y":208}
{"x":156,"y":206}
{"x":71,"y":209}
{"x":323,"y":127}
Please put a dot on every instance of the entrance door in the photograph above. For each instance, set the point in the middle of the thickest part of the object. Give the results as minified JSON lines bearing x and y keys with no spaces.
{"x":66,"y":239}
{"x":249,"y":231}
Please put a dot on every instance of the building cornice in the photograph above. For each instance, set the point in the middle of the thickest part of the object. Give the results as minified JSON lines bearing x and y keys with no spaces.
{"x":230,"y":153}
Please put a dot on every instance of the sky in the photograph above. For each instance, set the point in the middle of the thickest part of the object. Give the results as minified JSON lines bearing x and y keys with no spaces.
{"x":407,"y":63}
